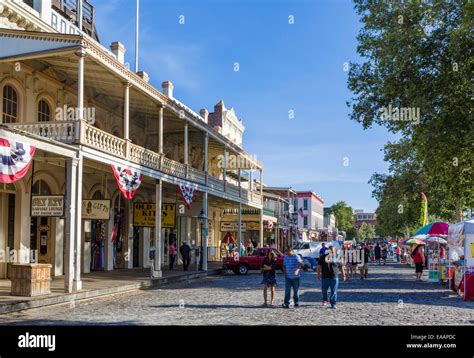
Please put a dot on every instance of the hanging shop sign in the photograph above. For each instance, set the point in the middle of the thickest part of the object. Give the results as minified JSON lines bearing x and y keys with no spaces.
{"x":253,"y":225}
{"x":47,"y":205}
{"x":15,"y":159}
{"x":144,"y":215}
{"x":128,"y":180}
{"x":96,"y":209}
{"x":188,"y":192}
{"x":268,"y":225}
{"x":232,"y":226}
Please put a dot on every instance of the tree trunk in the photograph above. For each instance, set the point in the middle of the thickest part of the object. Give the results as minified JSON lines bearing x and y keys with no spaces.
{"x":458,"y":210}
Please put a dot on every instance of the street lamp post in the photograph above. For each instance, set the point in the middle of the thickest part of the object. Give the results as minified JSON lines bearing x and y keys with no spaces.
{"x":294,"y":219}
{"x":201,"y":219}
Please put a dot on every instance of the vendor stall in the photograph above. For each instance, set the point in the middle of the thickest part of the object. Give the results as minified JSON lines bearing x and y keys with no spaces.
{"x":461,"y":257}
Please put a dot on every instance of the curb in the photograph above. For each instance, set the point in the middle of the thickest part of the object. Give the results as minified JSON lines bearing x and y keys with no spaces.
{"x":71,"y":297}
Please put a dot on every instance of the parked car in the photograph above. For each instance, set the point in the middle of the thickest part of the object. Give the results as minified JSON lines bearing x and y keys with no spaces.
{"x":308,"y":249}
{"x":241,"y":265}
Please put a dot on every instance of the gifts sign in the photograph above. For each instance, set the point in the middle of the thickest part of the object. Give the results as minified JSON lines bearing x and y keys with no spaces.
{"x":187,"y":192}
{"x":15,"y":159}
{"x":128,"y":180}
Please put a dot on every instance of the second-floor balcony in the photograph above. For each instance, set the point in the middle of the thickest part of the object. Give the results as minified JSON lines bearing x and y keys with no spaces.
{"x":81,"y":133}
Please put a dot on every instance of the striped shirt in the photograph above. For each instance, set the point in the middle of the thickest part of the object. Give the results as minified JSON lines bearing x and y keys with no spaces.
{"x":291,"y":264}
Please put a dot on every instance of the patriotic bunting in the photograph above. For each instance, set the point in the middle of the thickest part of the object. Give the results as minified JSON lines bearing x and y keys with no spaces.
{"x":15,"y":159}
{"x":188,"y":192}
{"x":128,"y":180}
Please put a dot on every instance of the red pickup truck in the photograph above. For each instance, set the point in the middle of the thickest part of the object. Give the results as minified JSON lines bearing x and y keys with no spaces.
{"x":242,"y":264}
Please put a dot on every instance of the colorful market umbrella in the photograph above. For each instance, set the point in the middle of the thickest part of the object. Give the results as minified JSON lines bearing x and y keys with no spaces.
{"x":415,"y":242}
{"x":434,"y":229}
{"x":436,"y":239}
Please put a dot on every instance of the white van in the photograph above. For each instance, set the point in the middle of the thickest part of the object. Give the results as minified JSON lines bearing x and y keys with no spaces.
{"x":308,"y":249}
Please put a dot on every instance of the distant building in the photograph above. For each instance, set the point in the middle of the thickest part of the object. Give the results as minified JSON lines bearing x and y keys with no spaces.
{"x":279,"y":200}
{"x":361,"y":217}
{"x":310,"y":208}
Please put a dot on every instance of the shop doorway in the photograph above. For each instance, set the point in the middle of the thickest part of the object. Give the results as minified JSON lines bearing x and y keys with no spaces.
{"x":40,"y":234}
{"x":98,"y":239}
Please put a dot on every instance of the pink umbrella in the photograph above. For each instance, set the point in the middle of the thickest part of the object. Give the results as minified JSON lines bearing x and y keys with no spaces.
{"x":437,"y":228}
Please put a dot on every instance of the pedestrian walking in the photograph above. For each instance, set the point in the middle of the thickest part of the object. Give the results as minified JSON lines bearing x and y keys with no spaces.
{"x":398,"y":252}
{"x":172,"y":254}
{"x":364,"y":254}
{"x":328,"y":272}
{"x":418,"y":256}
{"x":269,"y":277}
{"x":352,"y":261}
{"x":378,"y":253}
{"x":185,"y":252}
{"x":292,"y":265}
{"x":343,"y":263}
{"x":384,"y":254}
{"x":323,"y":249}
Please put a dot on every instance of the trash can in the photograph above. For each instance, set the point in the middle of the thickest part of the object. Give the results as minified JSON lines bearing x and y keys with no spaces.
{"x":30,"y":279}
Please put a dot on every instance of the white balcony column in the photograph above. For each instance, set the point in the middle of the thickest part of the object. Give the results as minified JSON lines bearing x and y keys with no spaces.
{"x":126,"y":117}
{"x":250,"y":180}
{"x":261,"y":184}
{"x":239,"y":228}
{"x":186,"y":138}
{"x":71,"y":200}
{"x":78,"y":227}
{"x":81,"y":54}
{"x":206,"y":155}
{"x":160,"y":130}
{"x":240,"y":181}
{"x":261,"y":228}
{"x":205,"y":232}
{"x":158,"y":241}
{"x":224,"y":168}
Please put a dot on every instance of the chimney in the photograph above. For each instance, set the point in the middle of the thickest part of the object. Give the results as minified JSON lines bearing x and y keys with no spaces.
{"x":118,"y":49}
{"x":204,"y":114}
{"x":144,"y":76}
{"x":167,"y":88}
{"x":218,"y":112}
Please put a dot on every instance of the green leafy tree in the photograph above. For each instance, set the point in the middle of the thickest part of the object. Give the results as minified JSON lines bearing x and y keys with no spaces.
{"x":366,"y":232}
{"x":344,"y":215}
{"x":415,"y":80}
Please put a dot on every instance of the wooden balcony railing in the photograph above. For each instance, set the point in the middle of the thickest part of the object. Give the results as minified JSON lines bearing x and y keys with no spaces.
{"x":106,"y":142}
{"x":79,"y":132}
{"x":64,"y":131}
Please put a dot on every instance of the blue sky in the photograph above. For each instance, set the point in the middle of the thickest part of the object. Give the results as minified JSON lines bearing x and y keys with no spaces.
{"x":283,"y":67}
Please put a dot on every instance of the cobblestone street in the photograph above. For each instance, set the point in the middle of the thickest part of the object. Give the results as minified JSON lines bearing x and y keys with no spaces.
{"x":389,"y":297}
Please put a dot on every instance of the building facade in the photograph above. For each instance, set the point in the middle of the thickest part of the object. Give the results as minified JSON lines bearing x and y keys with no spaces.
{"x":98,"y":129}
{"x":361,"y":216}
{"x":310,"y":208}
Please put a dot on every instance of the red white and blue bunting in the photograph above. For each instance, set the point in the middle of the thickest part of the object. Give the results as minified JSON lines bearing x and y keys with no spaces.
{"x":15,"y":159}
{"x":188,"y":192}
{"x":128,"y":180}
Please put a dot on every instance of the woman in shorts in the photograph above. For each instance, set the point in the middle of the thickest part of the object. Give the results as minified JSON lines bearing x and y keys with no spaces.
{"x":269,"y":277}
